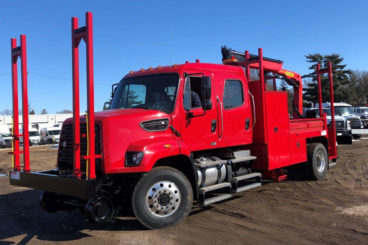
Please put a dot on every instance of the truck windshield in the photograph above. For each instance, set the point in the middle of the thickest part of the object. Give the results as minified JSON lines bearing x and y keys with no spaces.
{"x":54,"y":132}
{"x":154,"y":92}
{"x":33,"y":133}
{"x":363,"y":110}
{"x":343,"y":110}
{"x":325,"y":110}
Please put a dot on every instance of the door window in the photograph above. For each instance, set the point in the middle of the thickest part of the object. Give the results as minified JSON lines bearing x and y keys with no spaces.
{"x":193,"y":97}
{"x":233,"y":94}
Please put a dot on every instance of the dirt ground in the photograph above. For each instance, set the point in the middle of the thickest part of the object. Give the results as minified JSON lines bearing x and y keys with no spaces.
{"x":333,"y":211}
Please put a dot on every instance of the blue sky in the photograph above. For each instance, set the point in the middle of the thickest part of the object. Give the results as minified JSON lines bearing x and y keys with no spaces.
{"x":129,"y":35}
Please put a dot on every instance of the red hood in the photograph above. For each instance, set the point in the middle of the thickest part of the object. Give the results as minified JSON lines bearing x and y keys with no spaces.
{"x":126,"y":114}
{"x":131,"y":113}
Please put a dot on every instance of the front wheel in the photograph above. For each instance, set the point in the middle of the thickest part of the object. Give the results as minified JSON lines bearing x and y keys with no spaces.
{"x":162,"y":198}
{"x":317,"y":161}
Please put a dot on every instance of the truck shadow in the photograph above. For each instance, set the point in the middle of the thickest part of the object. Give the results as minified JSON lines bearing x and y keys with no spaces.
{"x":22,"y":219}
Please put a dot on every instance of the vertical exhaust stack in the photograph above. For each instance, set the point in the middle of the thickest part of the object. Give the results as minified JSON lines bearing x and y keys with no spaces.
{"x":20,"y":51}
{"x":83,"y":33}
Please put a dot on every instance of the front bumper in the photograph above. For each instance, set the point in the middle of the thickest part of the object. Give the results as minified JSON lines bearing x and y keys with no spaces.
{"x":52,"y":181}
{"x":6,"y":144}
{"x":343,"y":133}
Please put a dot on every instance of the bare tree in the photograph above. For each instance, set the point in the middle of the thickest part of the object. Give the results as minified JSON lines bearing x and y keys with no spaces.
{"x":65,"y":111}
{"x":6,"y":112}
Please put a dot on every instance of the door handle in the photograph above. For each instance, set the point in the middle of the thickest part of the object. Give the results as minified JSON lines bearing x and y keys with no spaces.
{"x":247,"y":122}
{"x":222,"y":117}
{"x":213,"y":125}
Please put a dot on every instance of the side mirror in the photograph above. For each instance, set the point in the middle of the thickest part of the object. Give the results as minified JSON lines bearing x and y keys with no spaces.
{"x":195,"y":112}
{"x":206,"y":93}
{"x":114,"y":87}
{"x":107,"y":105}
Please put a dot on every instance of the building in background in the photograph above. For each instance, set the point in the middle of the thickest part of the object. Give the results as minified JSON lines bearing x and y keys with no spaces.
{"x":35,"y":121}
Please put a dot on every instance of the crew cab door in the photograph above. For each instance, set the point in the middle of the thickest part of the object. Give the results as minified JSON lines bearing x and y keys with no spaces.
{"x":236,"y":111}
{"x":198,"y":126}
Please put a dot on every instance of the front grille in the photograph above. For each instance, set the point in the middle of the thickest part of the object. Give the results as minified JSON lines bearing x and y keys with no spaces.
{"x":66,"y":155}
{"x":355,"y":123}
{"x":340,"y":125}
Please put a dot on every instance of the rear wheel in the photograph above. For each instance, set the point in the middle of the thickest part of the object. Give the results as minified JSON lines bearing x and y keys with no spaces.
{"x":162,"y":197}
{"x":357,"y":136}
{"x":317,"y":161}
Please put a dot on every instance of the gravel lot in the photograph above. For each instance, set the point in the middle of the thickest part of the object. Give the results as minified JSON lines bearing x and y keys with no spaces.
{"x":333,"y":211}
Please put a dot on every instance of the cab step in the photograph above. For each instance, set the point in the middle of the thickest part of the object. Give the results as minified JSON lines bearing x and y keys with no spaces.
{"x":246,"y":182}
{"x":214,"y":193}
{"x":243,"y":159}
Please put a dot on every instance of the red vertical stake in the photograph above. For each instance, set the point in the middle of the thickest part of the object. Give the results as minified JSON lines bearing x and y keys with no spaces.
{"x":25,"y":103}
{"x":76,"y":111}
{"x":15,"y":106}
{"x":330,"y":77}
{"x":319,"y":90}
{"x":262,"y":81}
{"x":247,"y":69}
{"x":261,"y":73}
{"x":90,"y":96}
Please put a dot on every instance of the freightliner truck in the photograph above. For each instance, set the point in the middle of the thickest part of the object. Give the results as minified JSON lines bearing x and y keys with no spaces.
{"x":176,"y":135}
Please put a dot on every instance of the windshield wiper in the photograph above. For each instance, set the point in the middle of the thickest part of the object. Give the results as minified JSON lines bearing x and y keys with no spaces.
{"x":139,"y":107}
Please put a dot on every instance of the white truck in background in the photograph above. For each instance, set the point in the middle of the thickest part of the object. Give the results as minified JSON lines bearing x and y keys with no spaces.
{"x":50,"y":135}
{"x":362,"y":112}
{"x":34,"y":137}
{"x":346,"y":110}
{"x":5,"y":137}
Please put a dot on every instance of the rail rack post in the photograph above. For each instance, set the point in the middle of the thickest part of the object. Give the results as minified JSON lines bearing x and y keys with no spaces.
{"x":16,"y":52}
{"x":85,"y":33}
{"x":332,"y":129}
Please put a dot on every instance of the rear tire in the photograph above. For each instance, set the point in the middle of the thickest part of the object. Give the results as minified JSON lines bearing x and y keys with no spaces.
{"x":317,"y":161}
{"x":357,"y":136}
{"x":163,"y":197}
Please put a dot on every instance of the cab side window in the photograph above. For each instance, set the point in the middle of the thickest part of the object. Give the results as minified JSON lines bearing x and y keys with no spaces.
{"x":233,"y":94}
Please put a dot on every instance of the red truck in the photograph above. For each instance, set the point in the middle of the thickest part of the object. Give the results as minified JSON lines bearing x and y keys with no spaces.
{"x":177,"y":134}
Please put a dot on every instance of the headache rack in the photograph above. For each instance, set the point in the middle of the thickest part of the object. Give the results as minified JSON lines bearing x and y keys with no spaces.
{"x":79,"y":184}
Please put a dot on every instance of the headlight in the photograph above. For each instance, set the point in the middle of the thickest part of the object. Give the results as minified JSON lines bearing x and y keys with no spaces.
{"x":155,"y":125}
{"x":348,"y":125}
{"x":133,"y":159}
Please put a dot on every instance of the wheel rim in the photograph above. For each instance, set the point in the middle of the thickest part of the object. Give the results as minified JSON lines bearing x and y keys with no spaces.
{"x":321,"y":162}
{"x":163,"y":198}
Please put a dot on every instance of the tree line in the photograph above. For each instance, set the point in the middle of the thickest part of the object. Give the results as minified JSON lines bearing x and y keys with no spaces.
{"x":349,"y":86}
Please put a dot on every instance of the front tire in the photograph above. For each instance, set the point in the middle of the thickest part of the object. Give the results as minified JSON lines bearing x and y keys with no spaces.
{"x":163,"y":197}
{"x":357,"y":136}
{"x":317,"y":161}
